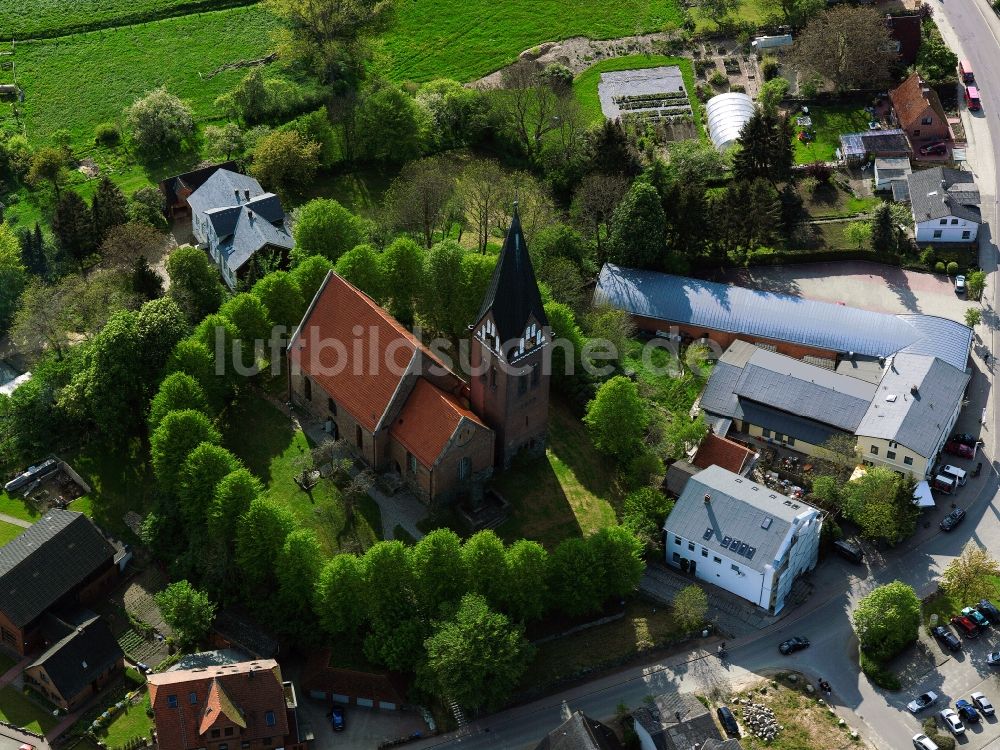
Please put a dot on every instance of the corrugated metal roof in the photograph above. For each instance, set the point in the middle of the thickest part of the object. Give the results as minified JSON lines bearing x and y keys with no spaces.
{"x":948,"y":340}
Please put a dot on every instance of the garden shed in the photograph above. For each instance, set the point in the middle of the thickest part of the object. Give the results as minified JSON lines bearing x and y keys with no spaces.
{"x":726,"y":115}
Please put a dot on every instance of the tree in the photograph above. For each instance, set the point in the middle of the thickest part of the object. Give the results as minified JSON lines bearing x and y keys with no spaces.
{"x":594,"y":204}
{"x":881,"y":502}
{"x":974,"y":284}
{"x":617,"y":418}
{"x":194,"y":358}
{"x":282,"y":299}
{"x":324,"y":227}
{"x":887,"y":620}
{"x":48,"y":164}
{"x":252,"y":323}
{"x":340,"y":597}
{"x":694,"y":161}
{"x":572,"y":593}
{"x":397,"y":631}
{"x":12,"y":275}
{"x":439,"y":571}
{"x":485,"y":559}
{"x":260,"y":537}
{"x":188,"y":611}
{"x":442,"y":277}
{"x":33,"y":252}
{"x":770,"y":95}
{"x":644,"y":513}
{"x":620,"y":553}
{"x":233,"y":495}
{"x":297,"y":569}
{"x":858,"y":233}
{"x":285,"y":161}
{"x":194,"y":282}
{"x":179,"y":433}
{"x":973,"y":317}
{"x":361,"y":267}
{"x":458,"y":115}
{"x":529,"y":105}
{"x":225,"y":140}
{"x":689,"y":607}
{"x":388,"y":122}
{"x":177,"y":392}
{"x":309,"y":274}
{"x":477,"y":658}
{"x":202,"y":470}
{"x":848,"y":45}
{"x":159,"y":123}
{"x":402,"y":265}
{"x":146,"y":207}
{"x":480,"y":193}
{"x":936,"y":63}
{"x":108,"y":208}
{"x":419,"y":199}
{"x":793,"y":12}
{"x":765,"y":149}
{"x":527,"y":566}
{"x":638,"y":232}
{"x":46,"y":315}
{"x":967,"y":578}
{"x":883,"y":230}
{"x":826,"y":489}
{"x":73,"y":227}
{"x":718,"y":11}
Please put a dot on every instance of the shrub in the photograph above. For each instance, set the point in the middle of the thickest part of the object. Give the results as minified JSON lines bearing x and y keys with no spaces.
{"x":107,"y":134}
{"x":808,"y":185}
{"x":952,"y":268}
{"x":558,"y":76}
{"x":738,"y":88}
{"x":769,"y":68}
{"x":939,"y":267}
{"x":877,"y":673}
{"x":927,"y":257}
{"x":718,"y":79}
{"x":820,"y":171}
{"x":809,"y":88}
{"x":943,"y":741}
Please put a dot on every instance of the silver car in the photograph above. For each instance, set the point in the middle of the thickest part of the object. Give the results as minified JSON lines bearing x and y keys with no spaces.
{"x":951,"y":720}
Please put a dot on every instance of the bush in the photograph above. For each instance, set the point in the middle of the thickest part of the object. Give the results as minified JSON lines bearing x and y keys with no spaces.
{"x":809,"y":88}
{"x":939,"y":267}
{"x":927,"y":257}
{"x":943,"y":741}
{"x":952,"y":268}
{"x":738,"y":88}
{"x":877,"y":673}
{"x":107,"y":134}
{"x":718,"y":79}
{"x":769,"y":68}
{"x":820,"y":171}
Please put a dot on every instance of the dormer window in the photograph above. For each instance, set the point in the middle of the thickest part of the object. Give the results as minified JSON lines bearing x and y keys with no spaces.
{"x":269,"y":718}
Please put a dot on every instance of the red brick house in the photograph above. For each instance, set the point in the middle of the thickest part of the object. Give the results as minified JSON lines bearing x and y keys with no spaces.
{"x":354,"y":367}
{"x":61,"y":562}
{"x":244,"y":706}
{"x":373,"y":688}
{"x":919,"y":113}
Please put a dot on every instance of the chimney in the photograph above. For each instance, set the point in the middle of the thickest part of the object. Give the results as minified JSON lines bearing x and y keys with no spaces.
{"x":914,"y":389}
{"x":708,"y":498}
{"x":250,"y":214}
{"x":237,"y":192}
{"x":246,"y":194}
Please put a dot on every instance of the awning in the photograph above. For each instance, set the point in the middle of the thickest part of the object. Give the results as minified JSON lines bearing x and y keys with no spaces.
{"x":922,"y":496}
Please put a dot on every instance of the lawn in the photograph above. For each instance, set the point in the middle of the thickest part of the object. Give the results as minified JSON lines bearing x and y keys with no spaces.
{"x":17,"y":507}
{"x":833,"y":200}
{"x":830,"y":121}
{"x":8,"y":531}
{"x":26,"y":19}
{"x":128,"y":725}
{"x":18,"y":709}
{"x":568,"y":493}
{"x":120,"y":479}
{"x":674,"y":393}
{"x":644,"y":626}
{"x":585,"y":84}
{"x":466,"y":39}
{"x":272,"y":448}
{"x":945,"y":606}
{"x":78,"y":81}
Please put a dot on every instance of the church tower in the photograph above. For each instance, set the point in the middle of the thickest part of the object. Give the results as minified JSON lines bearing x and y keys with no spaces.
{"x":509,"y":384}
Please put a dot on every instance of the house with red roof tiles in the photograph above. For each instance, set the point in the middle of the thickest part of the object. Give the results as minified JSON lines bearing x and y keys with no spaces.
{"x":378,"y":388}
{"x":243,"y":706}
{"x":918,"y":111}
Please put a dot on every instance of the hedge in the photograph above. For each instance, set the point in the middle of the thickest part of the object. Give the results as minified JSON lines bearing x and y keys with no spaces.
{"x":878,"y":673}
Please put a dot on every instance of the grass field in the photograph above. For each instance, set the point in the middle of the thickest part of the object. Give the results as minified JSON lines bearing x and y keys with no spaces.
{"x":28,"y":19}
{"x":79,"y":81}
{"x":8,"y":531}
{"x":585,"y":84}
{"x":17,"y":709}
{"x":829,"y":123}
{"x":15,"y":506}
{"x":128,"y":725}
{"x":831,"y":200}
{"x":467,"y":40}
{"x":569,"y":493}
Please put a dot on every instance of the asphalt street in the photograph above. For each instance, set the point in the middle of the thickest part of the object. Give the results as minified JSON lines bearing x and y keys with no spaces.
{"x":972,"y":29}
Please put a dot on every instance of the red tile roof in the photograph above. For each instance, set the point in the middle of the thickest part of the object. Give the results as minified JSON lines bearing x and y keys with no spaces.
{"x":428,"y":420}
{"x":239,"y":695}
{"x":720,"y":451}
{"x":354,"y":350}
{"x":911,"y":99}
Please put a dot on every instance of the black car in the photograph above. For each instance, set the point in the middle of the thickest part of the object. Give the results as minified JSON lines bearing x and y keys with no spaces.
{"x":989,"y":611}
{"x":947,"y":638}
{"x":727,"y":720}
{"x":952,"y":520}
{"x":965,"y":439}
{"x":793,"y":644}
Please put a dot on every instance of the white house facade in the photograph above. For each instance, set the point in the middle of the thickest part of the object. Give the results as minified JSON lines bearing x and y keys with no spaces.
{"x":742,"y":536}
{"x":945,"y":205}
{"x":946,"y":229}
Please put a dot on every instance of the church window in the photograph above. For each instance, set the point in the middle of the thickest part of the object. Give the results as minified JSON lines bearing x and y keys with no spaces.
{"x":411,"y":463}
{"x":535,"y":376}
{"x":464,"y":467}
{"x":307,"y":389}
{"x":359,"y":437}
{"x":522,"y":385}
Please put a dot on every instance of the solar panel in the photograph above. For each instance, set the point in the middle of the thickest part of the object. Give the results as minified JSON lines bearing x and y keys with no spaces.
{"x":707,"y":535}
{"x":726,"y":541}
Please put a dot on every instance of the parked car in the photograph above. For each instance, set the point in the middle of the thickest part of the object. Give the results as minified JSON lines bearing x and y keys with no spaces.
{"x":727,"y":720}
{"x":923,"y":742}
{"x":959,"y":284}
{"x":849,"y":551}
{"x":793,"y":644}
{"x":947,"y":638}
{"x":976,"y":616}
{"x":965,"y":626}
{"x":993,"y":658}
{"x":952,"y":520}
{"x":966,"y":711}
{"x":958,"y":449}
{"x":980,"y":701}
{"x":934,"y":149}
{"x":964,"y":438}
{"x":337,"y":719}
{"x":143,"y":668}
{"x":986,"y":607}
{"x":922,"y":701}
{"x":952,"y":722}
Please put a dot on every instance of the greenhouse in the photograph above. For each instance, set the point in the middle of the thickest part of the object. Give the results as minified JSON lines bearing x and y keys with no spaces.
{"x":726,"y":114}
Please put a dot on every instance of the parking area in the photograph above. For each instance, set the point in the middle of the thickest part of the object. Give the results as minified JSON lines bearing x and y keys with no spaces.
{"x":364,"y":728}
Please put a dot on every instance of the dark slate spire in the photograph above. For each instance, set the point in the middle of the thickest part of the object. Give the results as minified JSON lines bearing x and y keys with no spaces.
{"x":513,"y":294}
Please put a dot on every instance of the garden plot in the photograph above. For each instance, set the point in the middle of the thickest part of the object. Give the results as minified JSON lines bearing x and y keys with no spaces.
{"x":653,"y":94}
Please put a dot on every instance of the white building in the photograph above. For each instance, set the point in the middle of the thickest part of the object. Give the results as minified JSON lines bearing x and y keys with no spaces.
{"x":945,"y":205}
{"x":726,"y":114}
{"x":889,"y":169}
{"x":741,"y":536}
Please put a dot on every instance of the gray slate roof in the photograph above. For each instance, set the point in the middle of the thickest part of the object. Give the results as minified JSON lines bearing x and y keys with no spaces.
{"x":945,"y":339}
{"x":660,"y":720}
{"x":580,"y":732}
{"x":916,"y":420}
{"x":223,"y":188}
{"x":252,"y":233}
{"x":737,"y":510}
{"x":780,"y":317}
{"x":82,"y":654}
{"x":808,"y":430}
{"x":893,"y":167}
{"x":47,"y":561}
{"x":940,"y":192}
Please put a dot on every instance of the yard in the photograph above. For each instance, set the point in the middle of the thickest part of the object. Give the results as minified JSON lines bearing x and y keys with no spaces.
{"x":569,"y":493}
{"x":16,"y":708}
{"x":829,"y":122}
{"x":946,"y":606}
{"x":128,"y":725}
{"x":8,"y":531}
{"x":834,"y":200}
{"x":274,"y":452}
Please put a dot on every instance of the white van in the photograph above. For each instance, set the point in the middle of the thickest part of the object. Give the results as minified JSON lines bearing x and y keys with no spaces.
{"x":953,"y":471}
{"x":944,"y":483}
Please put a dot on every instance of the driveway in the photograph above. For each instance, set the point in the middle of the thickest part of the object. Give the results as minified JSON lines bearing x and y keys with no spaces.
{"x":870,"y":286}
{"x":365,"y":728}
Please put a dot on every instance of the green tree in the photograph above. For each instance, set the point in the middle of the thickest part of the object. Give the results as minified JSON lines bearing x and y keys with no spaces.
{"x":883,"y":230}
{"x":73,"y":227}
{"x":644,"y":512}
{"x":689,"y":607}
{"x":861,"y":56}
{"x":298,"y":567}
{"x":439,"y":571}
{"x":249,"y":97}
{"x":284,"y":161}
{"x":973,"y":317}
{"x":194,"y":358}
{"x":340,"y":597}
{"x":389,"y":124}
{"x":260,"y":537}
{"x":485,"y":559}
{"x":617,"y":418}
{"x":396,"y":632}
{"x":188,"y":611}
{"x":194,"y":282}
{"x":13,"y":276}
{"x":858,"y":233}
{"x":108,"y":208}
{"x":620,"y":553}
{"x":527,"y":566}
{"x":282,"y":298}
{"x":146,"y":207}
{"x":573,"y":593}
{"x":568,"y":341}
{"x":881,"y":502}
{"x":361,"y":267}
{"x":826,"y":489}
{"x":970,"y":576}
{"x":48,"y":164}
{"x":233,"y":495}
{"x":887,"y":620}
{"x":765,"y":149}
{"x":793,"y":12}
{"x":177,"y":392}
{"x":420,"y":199}
{"x":200,"y":474}
{"x":718,"y":11}
{"x":224,"y":140}
{"x":974,"y":284}
{"x":936,"y":63}
{"x":477,"y":658}
{"x":252,"y":323}
{"x":309,"y":274}
{"x":638,"y":229}
{"x":770,"y":95}
{"x":179,"y":433}
{"x":458,"y":115}
{"x":402,"y":273}
{"x":324,"y":227}
{"x":159,"y":123}
{"x":442,"y":278}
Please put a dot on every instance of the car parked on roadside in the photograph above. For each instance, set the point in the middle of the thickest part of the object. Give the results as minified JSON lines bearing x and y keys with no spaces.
{"x":922,"y":701}
{"x":959,"y":449}
{"x":793,"y":644}
{"x":948,"y":639}
{"x":951,"y":721}
{"x":976,"y":616}
{"x":980,"y":701}
{"x":952,"y":520}
{"x":966,"y":711}
{"x":960,"y":284}
{"x":964,"y":438}
{"x":923,"y":742}
{"x":965,"y":626}
{"x":727,"y":720}
{"x":987,"y":608}
{"x":934,"y":149}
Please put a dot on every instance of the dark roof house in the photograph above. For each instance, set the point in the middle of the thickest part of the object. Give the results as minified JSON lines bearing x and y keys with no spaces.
{"x":580,"y":732}
{"x":939,"y":192}
{"x":675,"y":721}
{"x":178,"y":188}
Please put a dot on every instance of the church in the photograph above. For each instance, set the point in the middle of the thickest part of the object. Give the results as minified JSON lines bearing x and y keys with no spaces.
{"x":376,"y":386}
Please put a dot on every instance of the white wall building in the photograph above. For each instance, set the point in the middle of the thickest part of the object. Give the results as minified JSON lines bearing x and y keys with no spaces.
{"x":741,"y":536}
{"x":945,"y":205}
